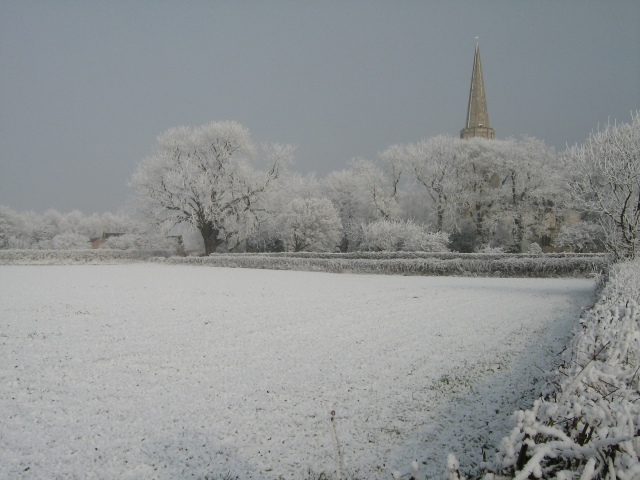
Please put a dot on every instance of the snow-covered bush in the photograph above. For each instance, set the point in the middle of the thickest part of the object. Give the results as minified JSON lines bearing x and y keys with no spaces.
{"x":131,"y":241}
{"x":487,"y":248}
{"x":581,"y":237}
{"x":588,"y":427}
{"x":265,"y":240}
{"x":400,"y":235}
{"x":70,"y":241}
{"x":421,"y":240}
{"x":311,"y":224}
{"x":534,"y":248}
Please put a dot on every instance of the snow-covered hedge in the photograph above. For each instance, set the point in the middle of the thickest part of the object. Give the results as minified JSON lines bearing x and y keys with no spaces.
{"x":45,"y":257}
{"x":391,"y":263}
{"x":588,"y":427}
{"x":438,"y":255}
{"x":415,"y":263}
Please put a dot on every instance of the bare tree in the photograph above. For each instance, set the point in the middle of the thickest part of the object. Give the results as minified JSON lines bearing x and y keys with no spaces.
{"x":605,"y":180}
{"x":203,"y":176}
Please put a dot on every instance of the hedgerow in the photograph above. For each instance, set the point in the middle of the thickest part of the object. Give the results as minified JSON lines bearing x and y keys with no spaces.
{"x":52,"y":257}
{"x":587,"y":426}
{"x":384,"y":263}
{"x":413,"y":263}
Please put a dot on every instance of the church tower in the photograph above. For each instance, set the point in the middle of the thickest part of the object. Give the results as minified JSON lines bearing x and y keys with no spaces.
{"x":477,"y":113}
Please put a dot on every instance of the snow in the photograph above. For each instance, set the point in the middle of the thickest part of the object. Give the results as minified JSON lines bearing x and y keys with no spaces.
{"x":164,"y":371}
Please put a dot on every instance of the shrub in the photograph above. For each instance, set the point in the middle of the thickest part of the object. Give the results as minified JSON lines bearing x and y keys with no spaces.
{"x":534,"y":248}
{"x":487,"y":248}
{"x":312,"y":224}
{"x":582,"y":237}
{"x":70,"y":241}
{"x":394,"y":236}
{"x":132,"y":241}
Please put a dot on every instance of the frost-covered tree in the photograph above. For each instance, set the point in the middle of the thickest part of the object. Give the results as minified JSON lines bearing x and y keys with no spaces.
{"x":502,"y":189}
{"x":349,"y":194}
{"x":381,"y":187}
{"x":434,"y":164}
{"x":311,"y":224}
{"x":10,"y":225}
{"x":394,"y":163}
{"x":530,"y":183}
{"x":67,"y":231}
{"x":479,"y":178}
{"x":28,"y":230}
{"x":268,"y":234}
{"x":605,"y":180}
{"x":203,"y":176}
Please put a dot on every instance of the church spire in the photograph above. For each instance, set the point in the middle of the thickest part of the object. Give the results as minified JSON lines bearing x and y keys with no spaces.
{"x":477,"y":114}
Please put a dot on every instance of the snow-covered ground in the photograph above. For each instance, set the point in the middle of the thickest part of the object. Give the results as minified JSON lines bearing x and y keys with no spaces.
{"x":160,"y":371}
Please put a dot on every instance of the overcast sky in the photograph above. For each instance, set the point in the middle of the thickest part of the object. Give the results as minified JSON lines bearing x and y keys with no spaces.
{"x":87,"y":86}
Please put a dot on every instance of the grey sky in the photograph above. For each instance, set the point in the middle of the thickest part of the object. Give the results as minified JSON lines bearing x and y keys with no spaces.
{"x":87,"y":86}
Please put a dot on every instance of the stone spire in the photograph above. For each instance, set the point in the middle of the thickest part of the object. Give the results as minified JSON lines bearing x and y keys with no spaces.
{"x":477,"y":113}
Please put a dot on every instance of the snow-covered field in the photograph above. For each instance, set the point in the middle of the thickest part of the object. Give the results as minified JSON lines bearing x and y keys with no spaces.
{"x":160,"y":371}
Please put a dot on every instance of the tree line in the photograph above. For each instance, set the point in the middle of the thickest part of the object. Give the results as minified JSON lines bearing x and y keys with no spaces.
{"x":432,"y":195}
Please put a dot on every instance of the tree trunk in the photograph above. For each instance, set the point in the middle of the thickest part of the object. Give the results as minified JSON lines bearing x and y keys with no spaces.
{"x":479,"y":221}
{"x":210,"y":237}
{"x":440,"y":217}
{"x":520,"y":230}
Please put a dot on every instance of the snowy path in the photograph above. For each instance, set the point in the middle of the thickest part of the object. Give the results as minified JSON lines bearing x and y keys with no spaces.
{"x":157,"y":371}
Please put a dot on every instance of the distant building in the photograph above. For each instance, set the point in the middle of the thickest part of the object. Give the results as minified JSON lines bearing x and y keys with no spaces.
{"x":477,"y":124}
